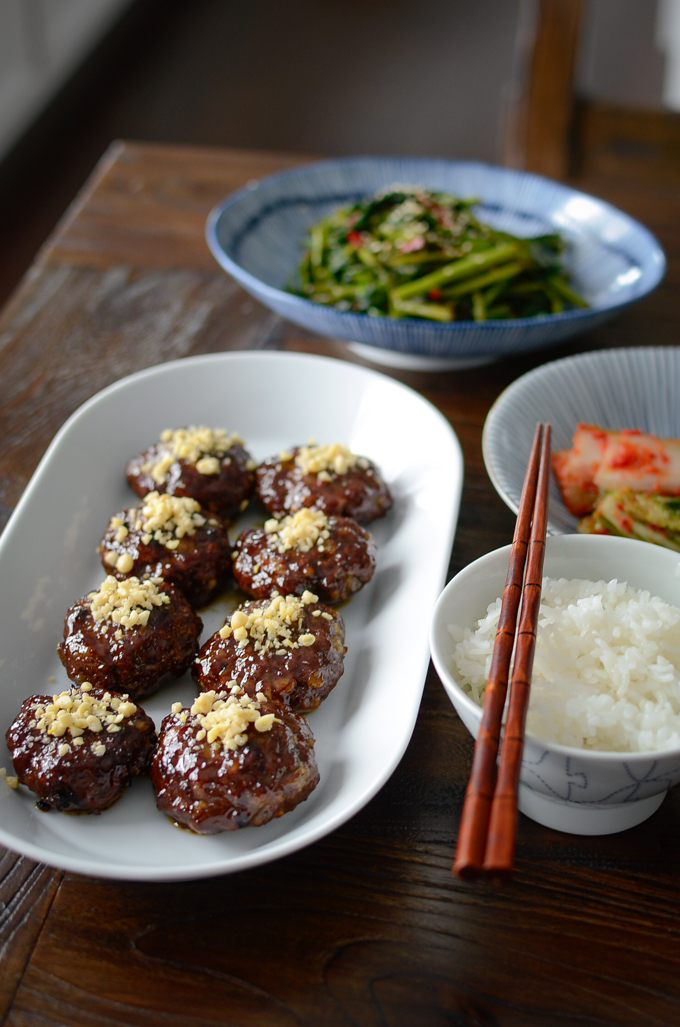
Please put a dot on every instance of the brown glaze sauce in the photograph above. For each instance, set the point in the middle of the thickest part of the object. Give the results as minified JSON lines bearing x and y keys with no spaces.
{"x":79,"y":781}
{"x":341,"y":568}
{"x":223,"y":494}
{"x":146,"y":657}
{"x":360,"y":493}
{"x":200,"y":566}
{"x":302,"y":678}
{"x":209,"y":789}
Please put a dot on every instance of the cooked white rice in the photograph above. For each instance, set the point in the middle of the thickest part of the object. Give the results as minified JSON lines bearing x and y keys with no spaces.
{"x":606,"y":671}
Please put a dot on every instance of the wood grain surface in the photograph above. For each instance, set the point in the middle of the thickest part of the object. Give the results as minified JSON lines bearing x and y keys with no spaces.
{"x":366,"y":927}
{"x":538,"y":132}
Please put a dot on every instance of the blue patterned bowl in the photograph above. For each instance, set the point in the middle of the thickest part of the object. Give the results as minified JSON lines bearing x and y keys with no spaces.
{"x":255,"y":234}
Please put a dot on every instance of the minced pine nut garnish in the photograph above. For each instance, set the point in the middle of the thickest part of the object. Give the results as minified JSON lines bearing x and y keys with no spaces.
{"x":301,"y":530}
{"x":76,"y":711}
{"x":225,"y":721}
{"x":121,"y":529}
{"x":200,"y":446}
{"x":326,"y":461}
{"x":10,"y":780}
{"x":167,"y":519}
{"x":127,"y":602}
{"x":123,"y":562}
{"x":271,"y":626}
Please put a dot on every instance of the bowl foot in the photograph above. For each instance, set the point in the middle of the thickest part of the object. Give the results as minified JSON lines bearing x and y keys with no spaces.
{"x":415,"y":361}
{"x":586,"y":818}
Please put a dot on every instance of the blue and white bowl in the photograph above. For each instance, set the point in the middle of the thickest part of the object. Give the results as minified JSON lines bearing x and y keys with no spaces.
{"x":256,"y":235}
{"x":579,"y":791}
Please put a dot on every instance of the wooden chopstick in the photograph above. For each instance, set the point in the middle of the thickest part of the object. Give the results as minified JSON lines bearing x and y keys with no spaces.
{"x":474,"y":823}
{"x":500,"y":843}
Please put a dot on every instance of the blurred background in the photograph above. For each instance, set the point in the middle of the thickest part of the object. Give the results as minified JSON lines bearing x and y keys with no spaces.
{"x":328,"y":77}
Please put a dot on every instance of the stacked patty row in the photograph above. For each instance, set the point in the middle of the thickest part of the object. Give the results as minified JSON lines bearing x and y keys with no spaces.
{"x":242,"y":752}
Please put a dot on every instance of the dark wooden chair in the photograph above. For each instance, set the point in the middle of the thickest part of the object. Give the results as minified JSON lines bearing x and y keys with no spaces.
{"x":541,"y":106}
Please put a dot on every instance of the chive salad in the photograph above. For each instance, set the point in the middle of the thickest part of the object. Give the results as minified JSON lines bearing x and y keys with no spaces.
{"x":414,"y":252}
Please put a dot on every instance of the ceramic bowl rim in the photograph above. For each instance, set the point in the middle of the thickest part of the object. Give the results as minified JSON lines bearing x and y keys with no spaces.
{"x":352,"y":317}
{"x":451,"y":685}
{"x":550,"y":368}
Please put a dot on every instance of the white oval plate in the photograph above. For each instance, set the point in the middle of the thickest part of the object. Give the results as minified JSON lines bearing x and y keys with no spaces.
{"x":615,"y":388}
{"x":48,"y":560}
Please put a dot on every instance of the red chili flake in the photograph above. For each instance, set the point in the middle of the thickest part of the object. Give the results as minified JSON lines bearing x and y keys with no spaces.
{"x":354,"y":238}
{"x":626,"y":454}
{"x":434,"y":294}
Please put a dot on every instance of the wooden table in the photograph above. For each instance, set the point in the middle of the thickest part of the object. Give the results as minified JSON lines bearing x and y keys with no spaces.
{"x":367,"y":927}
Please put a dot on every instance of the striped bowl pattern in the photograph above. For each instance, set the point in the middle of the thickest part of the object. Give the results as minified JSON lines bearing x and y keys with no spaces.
{"x":256,"y":233}
{"x":616,"y":388}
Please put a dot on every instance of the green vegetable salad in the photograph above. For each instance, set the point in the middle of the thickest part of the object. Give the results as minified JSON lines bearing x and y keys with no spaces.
{"x":413,"y":252}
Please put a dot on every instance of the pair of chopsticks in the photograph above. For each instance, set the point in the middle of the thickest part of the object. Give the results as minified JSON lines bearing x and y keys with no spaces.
{"x":488,"y":827}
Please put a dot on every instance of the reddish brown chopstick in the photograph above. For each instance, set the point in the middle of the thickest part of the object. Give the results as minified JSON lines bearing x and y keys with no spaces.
{"x":500,"y":842}
{"x":472,"y":833}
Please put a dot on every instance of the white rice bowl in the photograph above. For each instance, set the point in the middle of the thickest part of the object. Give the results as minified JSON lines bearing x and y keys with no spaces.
{"x":606,"y":672}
